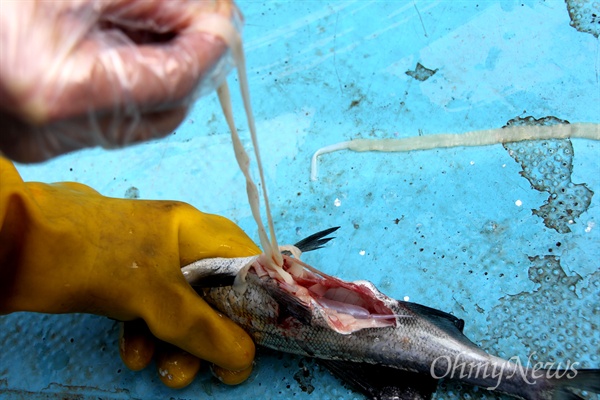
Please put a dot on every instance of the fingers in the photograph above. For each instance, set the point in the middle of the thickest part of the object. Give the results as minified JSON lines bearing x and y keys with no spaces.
{"x":160,"y":15}
{"x":221,"y":237}
{"x":105,"y":73}
{"x":192,"y":325}
{"x":176,"y":368}
{"x":136,"y":344}
{"x":26,"y":143}
{"x":229,"y":377}
{"x":149,"y":75}
{"x":136,"y":79}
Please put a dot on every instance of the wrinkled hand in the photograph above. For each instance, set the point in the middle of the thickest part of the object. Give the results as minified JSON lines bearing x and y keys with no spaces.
{"x":65,"y":248}
{"x":82,"y":73}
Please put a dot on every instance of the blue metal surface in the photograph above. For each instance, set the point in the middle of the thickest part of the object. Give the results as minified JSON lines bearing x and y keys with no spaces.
{"x":442,"y":227}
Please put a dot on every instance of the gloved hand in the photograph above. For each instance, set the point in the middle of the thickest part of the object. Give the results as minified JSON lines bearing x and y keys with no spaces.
{"x":65,"y":248}
{"x":82,"y":73}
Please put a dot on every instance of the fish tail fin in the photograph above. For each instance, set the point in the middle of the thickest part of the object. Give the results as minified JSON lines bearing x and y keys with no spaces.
{"x":587,"y":380}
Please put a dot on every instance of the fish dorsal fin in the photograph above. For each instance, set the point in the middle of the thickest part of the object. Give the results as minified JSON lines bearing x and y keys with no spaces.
{"x":448,"y":323}
{"x":439,"y":318}
{"x":316,"y":240}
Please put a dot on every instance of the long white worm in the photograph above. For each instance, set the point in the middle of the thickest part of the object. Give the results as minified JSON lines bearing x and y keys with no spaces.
{"x":476,"y":138}
{"x":224,"y":28}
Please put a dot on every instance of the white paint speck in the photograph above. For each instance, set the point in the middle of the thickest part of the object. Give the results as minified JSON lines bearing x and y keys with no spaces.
{"x":337,"y":202}
{"x":503,"y":165}
{"x":472,"y":163}
{"x":362,"y":252}
{"x":406,"y":298}
{"x":518,"y":203}
{"x":589,"y":227}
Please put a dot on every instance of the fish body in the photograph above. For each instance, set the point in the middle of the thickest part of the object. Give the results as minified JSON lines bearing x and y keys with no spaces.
{"x":324,"y":317}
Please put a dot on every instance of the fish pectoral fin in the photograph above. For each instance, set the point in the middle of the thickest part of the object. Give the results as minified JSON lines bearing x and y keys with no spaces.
{"x":215,"y":272}
{"x":289,"y":305}
{"x":378,"y":382}
{"x":216,"y":280}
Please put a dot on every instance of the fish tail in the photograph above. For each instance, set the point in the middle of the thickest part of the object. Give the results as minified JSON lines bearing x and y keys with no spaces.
{"x":564,"y":383}
{"x":552,"y":384}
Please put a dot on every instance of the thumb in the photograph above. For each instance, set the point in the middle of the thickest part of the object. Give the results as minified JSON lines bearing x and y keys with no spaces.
{"x":189,"y":323}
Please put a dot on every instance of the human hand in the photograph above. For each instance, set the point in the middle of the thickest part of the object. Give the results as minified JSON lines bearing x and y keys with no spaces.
{"x":65,"y":248}
{"x":83,"y":73}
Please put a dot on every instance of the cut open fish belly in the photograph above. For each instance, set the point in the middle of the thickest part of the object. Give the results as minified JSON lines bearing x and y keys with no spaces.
{"x":298,"y":309}
{"x":324,"y":300}
{"x":318,"y":309}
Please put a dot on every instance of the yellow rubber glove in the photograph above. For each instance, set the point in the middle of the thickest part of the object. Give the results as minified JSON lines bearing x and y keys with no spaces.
{"x":65,"y":248}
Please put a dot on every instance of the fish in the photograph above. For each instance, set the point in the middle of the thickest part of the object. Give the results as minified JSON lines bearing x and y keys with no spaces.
{"x":386,"y":348}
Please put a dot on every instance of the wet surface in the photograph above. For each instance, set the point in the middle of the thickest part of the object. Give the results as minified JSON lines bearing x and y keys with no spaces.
{"x":547,"y":165}
{"x":442,"y":227}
